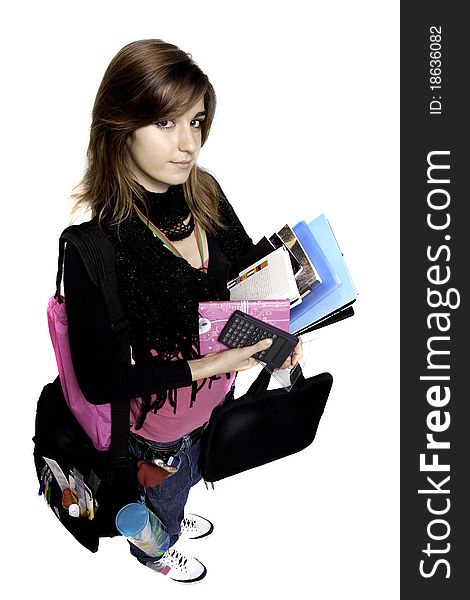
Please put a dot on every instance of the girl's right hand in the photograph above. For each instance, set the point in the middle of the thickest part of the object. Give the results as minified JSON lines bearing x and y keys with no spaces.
{"x":228,"y":361}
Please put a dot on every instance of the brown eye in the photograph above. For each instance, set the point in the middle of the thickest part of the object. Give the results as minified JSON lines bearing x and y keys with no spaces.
{"x":165,"y":124}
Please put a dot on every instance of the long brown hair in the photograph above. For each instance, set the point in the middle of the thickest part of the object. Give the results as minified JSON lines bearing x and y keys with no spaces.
{"x":146,"y":82}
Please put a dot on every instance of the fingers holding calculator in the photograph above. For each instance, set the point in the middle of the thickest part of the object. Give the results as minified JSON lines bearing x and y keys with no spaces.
{"x":244,"y":330}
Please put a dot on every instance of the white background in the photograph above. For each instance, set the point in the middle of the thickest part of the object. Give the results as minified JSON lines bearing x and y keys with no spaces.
{"x":307,"y":123}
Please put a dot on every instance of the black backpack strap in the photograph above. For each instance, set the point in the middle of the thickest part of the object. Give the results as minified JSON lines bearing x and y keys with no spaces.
{"x":98,"y":256}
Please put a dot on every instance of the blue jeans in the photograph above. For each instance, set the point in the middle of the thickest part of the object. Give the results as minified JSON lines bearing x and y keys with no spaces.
{"x":168,"y":499}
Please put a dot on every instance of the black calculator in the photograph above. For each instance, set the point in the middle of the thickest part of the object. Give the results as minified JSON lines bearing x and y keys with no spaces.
{"x":244,"y":330}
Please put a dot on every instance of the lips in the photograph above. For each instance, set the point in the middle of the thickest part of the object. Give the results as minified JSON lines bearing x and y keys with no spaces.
{"x":181,"y":163}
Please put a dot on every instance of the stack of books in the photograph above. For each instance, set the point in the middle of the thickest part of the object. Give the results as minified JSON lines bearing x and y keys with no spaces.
{"x":332,"y":301}
{"x":297,"y":279}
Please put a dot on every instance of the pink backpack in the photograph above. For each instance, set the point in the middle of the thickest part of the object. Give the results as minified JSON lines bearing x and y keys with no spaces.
{"x":95,"y":419}
{"x":97,"y":254}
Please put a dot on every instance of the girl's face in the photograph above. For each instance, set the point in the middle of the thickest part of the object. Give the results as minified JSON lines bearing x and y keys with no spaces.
{"x":164,"y":154}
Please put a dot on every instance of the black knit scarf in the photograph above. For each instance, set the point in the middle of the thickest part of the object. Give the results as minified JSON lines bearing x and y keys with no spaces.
{"x":168,"y":212}
{"x":161,"y":290}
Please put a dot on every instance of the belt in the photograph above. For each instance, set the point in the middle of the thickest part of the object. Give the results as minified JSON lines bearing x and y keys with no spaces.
{"x":194,"y":436}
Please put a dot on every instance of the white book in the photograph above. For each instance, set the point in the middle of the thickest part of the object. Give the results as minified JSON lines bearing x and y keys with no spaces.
{"x":270,"y":278}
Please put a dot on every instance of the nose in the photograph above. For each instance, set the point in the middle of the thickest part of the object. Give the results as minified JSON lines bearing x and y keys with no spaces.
{"x":188,"y":140}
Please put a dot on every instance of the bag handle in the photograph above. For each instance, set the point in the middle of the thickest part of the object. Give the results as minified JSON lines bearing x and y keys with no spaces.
{"x":260,"y":384}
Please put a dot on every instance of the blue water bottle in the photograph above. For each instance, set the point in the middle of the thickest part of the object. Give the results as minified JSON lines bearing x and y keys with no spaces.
{"x":143,"y":528}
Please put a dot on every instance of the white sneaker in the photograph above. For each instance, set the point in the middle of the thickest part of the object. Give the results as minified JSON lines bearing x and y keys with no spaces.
{"x":194,"y":527}
{"x":179,"y":566}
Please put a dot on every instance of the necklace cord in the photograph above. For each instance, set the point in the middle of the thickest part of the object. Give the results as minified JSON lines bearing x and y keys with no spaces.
{"x":163,"y":238}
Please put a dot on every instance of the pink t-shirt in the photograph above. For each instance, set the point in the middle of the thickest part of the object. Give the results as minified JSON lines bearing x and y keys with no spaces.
{"x":167,"y":426}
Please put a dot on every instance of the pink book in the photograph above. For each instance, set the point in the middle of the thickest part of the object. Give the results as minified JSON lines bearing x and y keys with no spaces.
{"x":215,"y":313}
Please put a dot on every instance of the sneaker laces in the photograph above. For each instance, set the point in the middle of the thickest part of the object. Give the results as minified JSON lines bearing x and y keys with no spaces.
{"x":188,"y":523}
{"x":176,"y":557}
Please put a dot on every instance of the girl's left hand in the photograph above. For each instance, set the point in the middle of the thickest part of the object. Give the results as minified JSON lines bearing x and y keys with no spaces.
{"x":294,"y":357}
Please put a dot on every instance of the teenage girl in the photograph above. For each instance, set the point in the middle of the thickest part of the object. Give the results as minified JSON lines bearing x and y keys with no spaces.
{"x":177,"y":242}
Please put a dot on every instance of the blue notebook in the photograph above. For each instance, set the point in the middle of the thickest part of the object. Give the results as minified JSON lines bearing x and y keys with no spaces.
{"x":337,"y":290}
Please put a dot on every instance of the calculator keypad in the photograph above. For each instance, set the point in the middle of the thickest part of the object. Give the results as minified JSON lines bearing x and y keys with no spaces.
{"x":241,"y":333}
{"x":245,"y":330}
